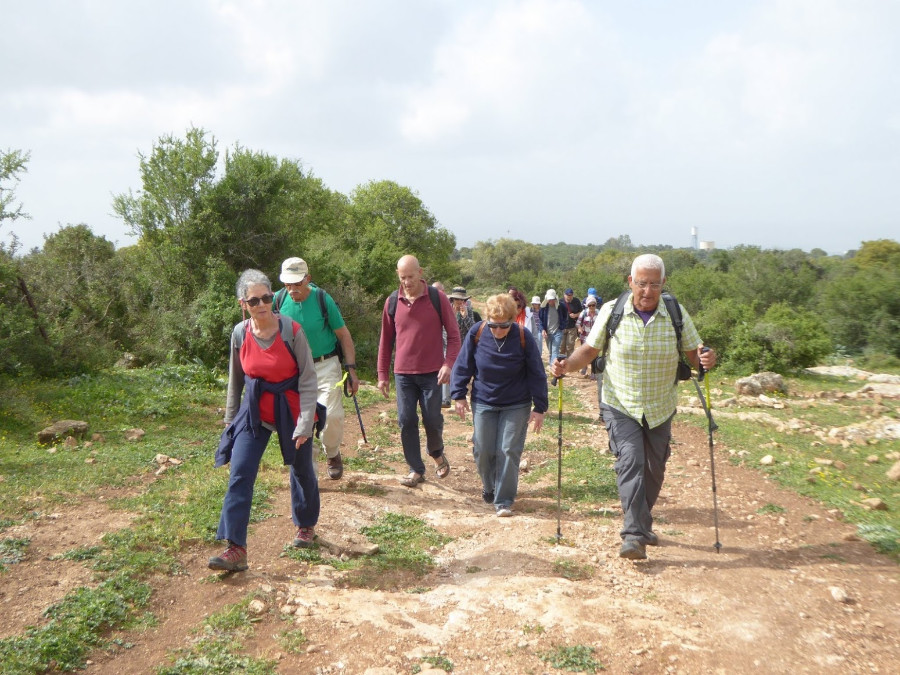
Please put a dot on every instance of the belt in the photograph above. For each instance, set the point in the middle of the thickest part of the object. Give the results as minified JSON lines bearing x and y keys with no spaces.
{"x":325,"y":356}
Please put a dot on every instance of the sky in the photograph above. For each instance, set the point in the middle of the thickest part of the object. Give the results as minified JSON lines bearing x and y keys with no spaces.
{"x":771,"y":123}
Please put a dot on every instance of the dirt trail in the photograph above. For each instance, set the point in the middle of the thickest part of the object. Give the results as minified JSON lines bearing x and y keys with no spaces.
{"x":499,"y":598}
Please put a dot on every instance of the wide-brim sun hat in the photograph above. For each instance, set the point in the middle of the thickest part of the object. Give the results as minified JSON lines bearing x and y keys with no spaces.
{"x":459,"y":293}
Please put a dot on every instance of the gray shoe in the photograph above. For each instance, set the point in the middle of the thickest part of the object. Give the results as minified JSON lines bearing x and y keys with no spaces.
{"x":504,"y":511}
{"x":632,"y":549}
{"x":651,"y":539}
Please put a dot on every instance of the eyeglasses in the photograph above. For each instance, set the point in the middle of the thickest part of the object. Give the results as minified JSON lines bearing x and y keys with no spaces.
{"x":253,"y":302}
{"x":295,"y":283}
{"x":644,"y":284}
{"x":505,"y":324}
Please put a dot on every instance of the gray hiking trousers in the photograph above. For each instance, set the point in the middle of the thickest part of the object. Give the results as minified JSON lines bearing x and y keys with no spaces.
{"x":641,"y":454}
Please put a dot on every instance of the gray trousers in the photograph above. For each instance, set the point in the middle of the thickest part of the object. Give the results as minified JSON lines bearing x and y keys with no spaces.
{"x":641,"y":454}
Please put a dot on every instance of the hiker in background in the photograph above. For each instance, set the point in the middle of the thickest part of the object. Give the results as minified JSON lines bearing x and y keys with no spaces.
{"x":585,"y":322}
{"x":509,"y":390}
{"x":573,"y":311}
{"x":445,"y":388}
{"x":640,"y":393}
{"x":519,"y":297}
{"x":270,"y":355}
{"x":466,"y":317}
{"x":330,"y":343}
{"x":533,"y":323}
{"x":553,"y":318}
{"x":411,"y":321}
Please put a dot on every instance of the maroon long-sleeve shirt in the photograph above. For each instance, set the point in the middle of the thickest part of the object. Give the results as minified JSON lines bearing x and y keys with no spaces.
{"x":416,"y":332}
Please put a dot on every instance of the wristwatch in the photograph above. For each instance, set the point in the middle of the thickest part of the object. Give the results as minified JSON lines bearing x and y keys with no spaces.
{"x":350,"y":366}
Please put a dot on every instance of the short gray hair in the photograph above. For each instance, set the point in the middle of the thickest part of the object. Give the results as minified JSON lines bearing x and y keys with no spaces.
{"x":649,"y":261}
{"x":249,"y":278}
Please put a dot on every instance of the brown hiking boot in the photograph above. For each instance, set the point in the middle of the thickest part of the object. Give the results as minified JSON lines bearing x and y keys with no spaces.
{"x":335,"y":467}
{"x":305,"y":537}
{"x":234,"y":559}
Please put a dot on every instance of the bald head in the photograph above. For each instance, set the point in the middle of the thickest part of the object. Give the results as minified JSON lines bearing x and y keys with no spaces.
{"x":410,"y":273}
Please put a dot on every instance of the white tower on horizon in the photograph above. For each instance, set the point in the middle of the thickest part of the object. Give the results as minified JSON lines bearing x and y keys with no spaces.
{"x":694,"y":242}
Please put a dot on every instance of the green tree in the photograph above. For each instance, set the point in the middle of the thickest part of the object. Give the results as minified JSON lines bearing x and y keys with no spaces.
{"x":499,"y":262}
{"x":12,"y":163}
{"x":785,"y":340}
{"x":879,"y":253}
{"x":385,"y":222}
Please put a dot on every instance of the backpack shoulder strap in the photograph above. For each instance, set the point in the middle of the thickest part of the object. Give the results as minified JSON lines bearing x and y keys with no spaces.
{"x":435,"y":300}
{"x":478,"y":333}
{"x":392,"y":305}
{"x":279,"y":300}
{"x":615,"y":318}
{"x":320,"y":294}
{"x":674,"y":311}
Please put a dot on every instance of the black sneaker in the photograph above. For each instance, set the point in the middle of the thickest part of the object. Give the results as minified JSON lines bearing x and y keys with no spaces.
{"x":488,"y":497}
{"x":651,"y":539}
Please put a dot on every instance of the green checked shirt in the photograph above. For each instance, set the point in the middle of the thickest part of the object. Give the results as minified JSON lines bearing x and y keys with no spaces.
{"x":639,"y":379}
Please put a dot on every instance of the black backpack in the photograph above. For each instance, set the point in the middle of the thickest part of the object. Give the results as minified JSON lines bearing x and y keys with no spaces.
{"x":683,"y":371}
{"x":432,"y":293}
{"x":320,"y":296}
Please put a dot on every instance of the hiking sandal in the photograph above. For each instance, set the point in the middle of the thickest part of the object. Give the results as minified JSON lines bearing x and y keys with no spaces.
{"x":443,"y":466}
{"x":412,"y":479}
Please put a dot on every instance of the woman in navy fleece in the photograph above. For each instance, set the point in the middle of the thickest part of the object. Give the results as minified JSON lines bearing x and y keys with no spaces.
{"x":509,"y":390}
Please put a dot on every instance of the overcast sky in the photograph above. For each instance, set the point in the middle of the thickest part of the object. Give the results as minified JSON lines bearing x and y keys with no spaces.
{"x":773,"y":123}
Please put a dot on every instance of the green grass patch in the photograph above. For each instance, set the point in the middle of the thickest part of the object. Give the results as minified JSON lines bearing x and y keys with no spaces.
{"x":367,"y":460}
{"x":12,"y":551}
{"x":587,"y":476}
{"x":217,"y":649}
{"x":576,"y":659}
{"x":75,"y":625}
{"x":572,"y":571}
{"x":404,"y":557}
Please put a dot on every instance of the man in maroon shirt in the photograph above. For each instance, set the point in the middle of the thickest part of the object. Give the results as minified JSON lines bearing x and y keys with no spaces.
{"x":420,"y":365}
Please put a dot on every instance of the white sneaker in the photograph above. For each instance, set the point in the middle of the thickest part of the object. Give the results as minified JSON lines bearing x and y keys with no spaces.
{"x":504,"y":512}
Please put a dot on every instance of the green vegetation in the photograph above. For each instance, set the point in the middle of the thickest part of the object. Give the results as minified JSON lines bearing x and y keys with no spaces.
{"x":221,"y":636}
{"x":576,"y":659}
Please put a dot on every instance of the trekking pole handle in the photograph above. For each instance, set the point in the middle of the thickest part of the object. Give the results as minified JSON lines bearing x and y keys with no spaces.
{"x":701,"y":371}
{"x":557,"y":379}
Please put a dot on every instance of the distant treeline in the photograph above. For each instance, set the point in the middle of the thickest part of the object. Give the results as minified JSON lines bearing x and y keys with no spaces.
{"x":78,"y":304}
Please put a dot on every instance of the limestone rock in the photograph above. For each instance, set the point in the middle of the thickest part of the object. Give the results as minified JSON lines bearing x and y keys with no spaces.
{"x":761,"y":383}
{"x":61,"y":429}
{"x":134,"y":434}
{"x":894,"y":472}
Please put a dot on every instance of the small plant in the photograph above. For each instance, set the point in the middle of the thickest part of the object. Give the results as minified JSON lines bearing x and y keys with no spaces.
{"x":572,"y":570}
{"x":533,"y":628}
{"x":441,"y":662}
{"x":12,"y":551}
{"x":80,"y":554}
{"x":576,"y":659}
{"x":473,"y":569}
{"x":770,"y":508}
{"x":292,"y":641}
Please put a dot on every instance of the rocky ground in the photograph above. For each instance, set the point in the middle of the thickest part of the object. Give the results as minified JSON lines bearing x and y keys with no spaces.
{"x":792,"y":590}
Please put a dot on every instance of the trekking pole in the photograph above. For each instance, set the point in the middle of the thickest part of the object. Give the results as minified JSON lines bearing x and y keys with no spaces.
{"x":701,"y":372}
{"x":347,"y":393}
{"x":558,"y":383}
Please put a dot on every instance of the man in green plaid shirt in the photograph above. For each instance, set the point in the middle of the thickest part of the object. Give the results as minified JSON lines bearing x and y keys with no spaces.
{"x":640,"y":393}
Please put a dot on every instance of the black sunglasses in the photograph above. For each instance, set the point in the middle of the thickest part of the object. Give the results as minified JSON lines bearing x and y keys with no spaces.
{"x":505,"y":324}
{"x":253,"y":302}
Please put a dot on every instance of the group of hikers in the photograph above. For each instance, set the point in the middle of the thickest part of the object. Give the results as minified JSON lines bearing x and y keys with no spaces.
{"x":291,"y":352}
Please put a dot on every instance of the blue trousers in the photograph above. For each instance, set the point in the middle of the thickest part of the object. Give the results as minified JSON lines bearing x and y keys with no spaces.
{"x":554,"y":341}
{"x":424,"y":392}
{"x":246,"y":457}
{"x":499,"y":440}
{"x":641,"y":454}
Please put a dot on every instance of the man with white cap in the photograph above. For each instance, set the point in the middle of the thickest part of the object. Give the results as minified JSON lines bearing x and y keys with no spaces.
{"x":553,"y":316}
{"x":329,"y":339}
{"x":533,"y":323}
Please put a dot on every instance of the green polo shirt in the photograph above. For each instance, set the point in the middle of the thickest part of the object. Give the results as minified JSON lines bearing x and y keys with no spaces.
{"x":639,"y":379}
{"x":309,"y":315}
